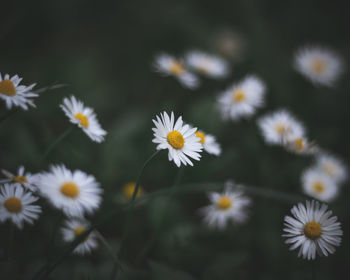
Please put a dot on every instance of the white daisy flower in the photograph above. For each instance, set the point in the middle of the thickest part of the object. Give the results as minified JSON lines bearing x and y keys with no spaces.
{"x":15,"y":94}
{"x":209,"y":143}
{"x":179,"y":138}
{"x":75,"y":227}
{"x":75,"y":193}
{"x":280,"y":127}
{"x":242,"y":99}
{"x":312,"y":229}
{"x":320,"y":65}
{"x":332,"y":166}
{"x":25,"y":179}
{"x":208,"y":65}
{"x":318,"y":185}
{"x":17,"y":206}
{"x":170,"y":66}
{"x":301,"y":146}
{"x":226,"y":206}
{"x":84,"y":117}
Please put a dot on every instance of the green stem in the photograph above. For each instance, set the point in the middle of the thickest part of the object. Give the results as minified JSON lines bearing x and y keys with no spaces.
{"x":313,"y":267}
{"x":10,"y":241}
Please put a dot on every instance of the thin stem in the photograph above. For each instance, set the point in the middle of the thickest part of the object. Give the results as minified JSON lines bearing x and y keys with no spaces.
{"x":313,"y":268}
{"x":10,"y":241}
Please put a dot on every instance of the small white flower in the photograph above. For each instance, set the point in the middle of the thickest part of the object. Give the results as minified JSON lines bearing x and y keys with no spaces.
{"x":179,"y":138}
{"x":242,"y":99}
{"x":208,"y":65}
{"x":312,"y":229}
{"x":318,"y":185}
{"x":209,"y":143}
{"x":226,"y":206}
{"x":280,"y":127}
{"x":332,"y":166}
{"x":84,"y":117}
{"x":75,"y":227}
{"x":320,"y":65}
{"x":75,"y":193}
{"x":15,"y":94}
{"x":301,"y":146}
{"x":17,"y":206}
{"x":25,"y":179}
{"x":170,"y":66}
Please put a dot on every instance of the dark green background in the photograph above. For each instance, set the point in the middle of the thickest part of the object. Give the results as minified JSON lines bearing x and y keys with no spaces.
{"x":103,"y":51}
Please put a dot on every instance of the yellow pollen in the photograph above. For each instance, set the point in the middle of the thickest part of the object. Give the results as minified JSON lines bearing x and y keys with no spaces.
{"x":201,"y":135}
{"x":70,"y":189}
{"x":177,"y":68}
{"x":318,"y":187}
{"x":20,"y":179}
{"x":7,"y":88}
{"x":128,"y":190}
{"x":79,"y":230}
{"x":83,"y":119}
{"x":281,"y":129}
{"x":224,"y":202}
{"x":318,"y":65}
{"x":299,"y":143}
{"x":175,"y":139}
{"x":312,"y":230}
{"x":13,"y":204}
{"x":238,"y":96}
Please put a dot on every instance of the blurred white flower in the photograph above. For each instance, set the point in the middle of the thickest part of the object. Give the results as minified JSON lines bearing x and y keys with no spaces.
{"x":320,"y":65}
{"x":170,"y":66}
{"x":15,"y":94}
{"x":242,"y":99}
{"x":26,"y":179}
{"x":17,"y":206}
{"x":84,"y":117}
{"x":332,"y":166}
{"x":312,"y":229}
{"x":210,"y":145}
{"x":301,"y":146}
{"x":75,"y":193}
{"x":179,"y":138}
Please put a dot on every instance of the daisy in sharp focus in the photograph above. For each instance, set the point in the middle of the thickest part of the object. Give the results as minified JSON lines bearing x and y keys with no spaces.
{"x":84,"y":117}
{"x":17,"y":205}
{"x":209,"y":143}
{"x":318,"y":185}
{"x":242,"y":99}
{"x":312,"y":229}
{"x":230,"y":205}
{"x":280,"y":127}
{"x":23,"y":178}
{"x":332,"y":166}
{"x":320,"y":65}
{"x":170,"y":66}
{"x":15,"y":94}
{"x":301,"y":146}
{"x":206,"y":64}
{"x":75,"y":227}
{"x":73,"y":192}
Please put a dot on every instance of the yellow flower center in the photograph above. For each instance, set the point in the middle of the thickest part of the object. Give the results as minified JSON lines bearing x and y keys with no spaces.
{"x":224,"y":202}
{"x":318,"y":187}
{"x":20,"y":179}
{"x":175,"y":139}
{"x":83,"y":119}
{"x":7,"y":88}
{"x":201,"y":135}
{"x":318,"y":65}
{"x":299,"y":143}
{"x":177,"y":68}
{"x":13,"y":204}
{"x":238,"y":96}
{"x":281,"y":129}
{"x":70,"y":189}
{"x":79,"y":230}
{"x":129,"y":188}
{"x":329,"y":169}
{"x":312,"y":230}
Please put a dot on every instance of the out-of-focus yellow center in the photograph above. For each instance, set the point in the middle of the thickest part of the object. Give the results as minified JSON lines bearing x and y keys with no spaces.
{"x":13,"y":204}
{"x":281,"y":129}
{"x":224,"y":202}
{"x":329,"y":169}
{"x":70,"y":189}
{"x":20,"y":179}
{"x":129,"y":189}
{"x":238,"y":96}
{"x":177,"y":68}
{"x":313,"y":230}
{"x":299,"y":143}
{"x":83,"y":119}
{"x":318,"y":187}
{"x":202,"y":69}
{"x":318,"y":65}
{"x":175,"y":139}
{"x":201,"y":135}
{"x":79,"y":230}
{"x":7,"y":88}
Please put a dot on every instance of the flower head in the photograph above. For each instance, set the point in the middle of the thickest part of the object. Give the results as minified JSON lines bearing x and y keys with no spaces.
{"x":301,"y":146}
{"x":210,"y":145}
{"x":84,"y":117}
{"x":17,"y":206}
{"x":332,"y":166}
{"x":25,"y":179}
{"x":15,"y":94}
{"x":312,"y":229}
{"x":128,"y":190}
